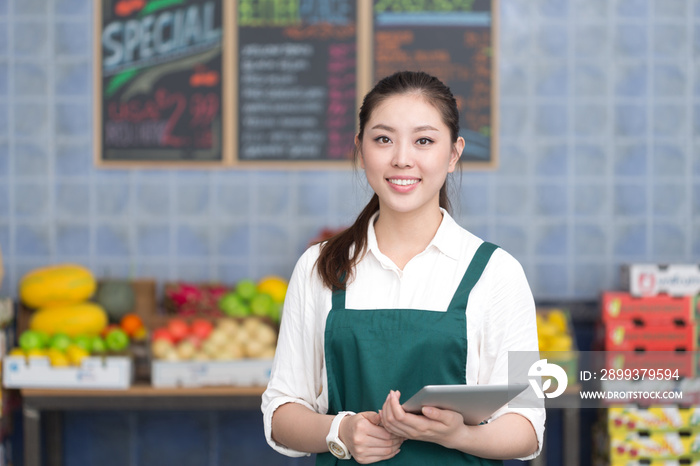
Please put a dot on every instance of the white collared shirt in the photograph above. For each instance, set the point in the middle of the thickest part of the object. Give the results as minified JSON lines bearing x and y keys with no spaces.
{"x":500,"y":317}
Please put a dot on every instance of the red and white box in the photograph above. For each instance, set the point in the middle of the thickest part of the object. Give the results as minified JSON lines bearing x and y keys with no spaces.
{"x":667,"y":309}
{"x":653,"y":279}
{"x":625,"y":335}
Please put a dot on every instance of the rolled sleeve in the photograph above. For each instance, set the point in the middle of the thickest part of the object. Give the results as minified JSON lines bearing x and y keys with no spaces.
{"x":268,"y":412}
{"x":536,"y":416}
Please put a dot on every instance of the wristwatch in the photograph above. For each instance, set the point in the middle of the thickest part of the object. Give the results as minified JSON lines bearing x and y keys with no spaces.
{"x":335,"y":445}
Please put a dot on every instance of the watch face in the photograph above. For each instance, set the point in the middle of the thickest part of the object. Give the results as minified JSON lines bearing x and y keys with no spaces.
{"x":337,"y":450}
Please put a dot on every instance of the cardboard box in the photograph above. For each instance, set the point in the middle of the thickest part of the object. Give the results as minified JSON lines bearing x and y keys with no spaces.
{"x":666,"y":309}
{"x":652,"y":279}
{"x":113,"y":372}
{"x":243,"y":373}
{"x":144,"y":307}
{"x":627,"y":336}
{"x":654,"y":418}
{"x":652,"y":445}
{"x":680,"y":461}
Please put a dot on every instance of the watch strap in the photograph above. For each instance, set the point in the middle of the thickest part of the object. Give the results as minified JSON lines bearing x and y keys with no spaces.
{"x":335,"y":445}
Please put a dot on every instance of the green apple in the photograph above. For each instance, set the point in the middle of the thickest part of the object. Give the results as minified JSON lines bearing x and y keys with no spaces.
{"x":117,"y":340}
{"x":45,"y":338}
{"x":31,"y":339}
{"x":276,"y":312}
{"x":233,"y":305}
{"x":60,"y":341}
{"x":262,"y":305}
{"x":246,"y":289}
{"x":83,"y":341}
{"x":98,"y":345}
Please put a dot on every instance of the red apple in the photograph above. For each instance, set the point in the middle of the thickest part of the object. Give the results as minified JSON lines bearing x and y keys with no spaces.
{"x":201,"y":328}
{"x":178,"y":328}
{"x":162,"y":333}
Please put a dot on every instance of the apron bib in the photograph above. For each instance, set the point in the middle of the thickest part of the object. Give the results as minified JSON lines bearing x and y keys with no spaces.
{"x":369,"y":352}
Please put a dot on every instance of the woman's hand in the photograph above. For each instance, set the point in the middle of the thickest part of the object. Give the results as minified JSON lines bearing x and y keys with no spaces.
{"x":439,"y":426}
{"x":366,"y":439}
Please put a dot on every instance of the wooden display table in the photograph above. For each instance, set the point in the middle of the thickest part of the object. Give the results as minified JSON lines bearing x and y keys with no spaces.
{"x":139,"y":397}
{"x":50,"y":404}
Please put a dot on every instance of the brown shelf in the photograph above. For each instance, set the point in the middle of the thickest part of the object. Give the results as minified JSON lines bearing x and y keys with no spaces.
{"x":145,"y":390}
{"x":140,"y":397}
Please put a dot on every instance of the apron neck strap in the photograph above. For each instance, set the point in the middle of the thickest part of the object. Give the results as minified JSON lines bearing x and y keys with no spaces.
{"x":338,"y":297}
{"x":471,"y":276}
{"x":461,"y":296}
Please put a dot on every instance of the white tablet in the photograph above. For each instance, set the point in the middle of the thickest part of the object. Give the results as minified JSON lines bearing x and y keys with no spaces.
{"x":475,"y":402}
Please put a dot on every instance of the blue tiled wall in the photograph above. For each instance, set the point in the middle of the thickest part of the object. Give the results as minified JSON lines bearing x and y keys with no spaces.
{"x":599,"y":111}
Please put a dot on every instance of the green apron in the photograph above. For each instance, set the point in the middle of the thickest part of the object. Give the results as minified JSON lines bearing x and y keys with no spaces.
{"x":370,"y":352}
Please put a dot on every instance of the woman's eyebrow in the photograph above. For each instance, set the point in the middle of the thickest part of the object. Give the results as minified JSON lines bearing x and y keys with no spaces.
{"x":424,"y":128}
{"x":382,"y":126}
{"x":417,"y":129}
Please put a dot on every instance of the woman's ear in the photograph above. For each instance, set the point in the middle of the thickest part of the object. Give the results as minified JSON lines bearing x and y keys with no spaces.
{"x":358,"y":151}
{"x":457,"y":149}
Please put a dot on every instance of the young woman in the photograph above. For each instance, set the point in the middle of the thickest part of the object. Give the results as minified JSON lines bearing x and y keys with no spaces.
{"x":403,"y":298}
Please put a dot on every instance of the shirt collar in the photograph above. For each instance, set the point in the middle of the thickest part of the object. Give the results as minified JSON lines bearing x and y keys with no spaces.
{"x":446,"y":239}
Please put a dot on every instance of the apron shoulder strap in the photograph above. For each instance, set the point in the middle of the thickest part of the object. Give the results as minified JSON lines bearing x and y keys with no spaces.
{"x":338,"y":297}
{"x":471,"y":276}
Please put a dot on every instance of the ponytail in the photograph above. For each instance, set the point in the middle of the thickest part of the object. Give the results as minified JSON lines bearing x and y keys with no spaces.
{"x":335,"y":260}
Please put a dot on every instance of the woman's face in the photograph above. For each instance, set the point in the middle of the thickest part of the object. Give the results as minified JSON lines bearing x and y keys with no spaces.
{"x":407,"y":152}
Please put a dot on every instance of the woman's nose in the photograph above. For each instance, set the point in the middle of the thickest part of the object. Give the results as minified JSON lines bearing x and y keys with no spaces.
{"x":402,"y":157}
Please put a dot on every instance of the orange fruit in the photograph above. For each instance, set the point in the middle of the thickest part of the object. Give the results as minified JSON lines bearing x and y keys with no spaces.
{"x":131,"y":324}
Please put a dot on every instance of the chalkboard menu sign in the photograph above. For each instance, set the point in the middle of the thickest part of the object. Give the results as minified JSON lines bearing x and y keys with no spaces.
{"x":277,"y":83}
{"x":297,"y":80}
{"x":453,"y":40}
{"x":159,"y":81}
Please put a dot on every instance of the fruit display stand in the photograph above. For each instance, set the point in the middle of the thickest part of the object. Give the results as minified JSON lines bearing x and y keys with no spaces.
{"x":114,"y":371}
{"x":210,"y":334}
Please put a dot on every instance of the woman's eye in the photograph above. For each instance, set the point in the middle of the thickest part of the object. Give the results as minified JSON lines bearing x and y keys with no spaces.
{"x":383,"y":140}
{"x":424,"y":141}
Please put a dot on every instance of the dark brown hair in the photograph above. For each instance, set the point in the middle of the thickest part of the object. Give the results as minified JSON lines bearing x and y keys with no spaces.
{"x":338,"y":258}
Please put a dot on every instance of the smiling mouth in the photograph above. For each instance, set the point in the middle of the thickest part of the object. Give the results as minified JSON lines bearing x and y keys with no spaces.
{"x":402,"y":182}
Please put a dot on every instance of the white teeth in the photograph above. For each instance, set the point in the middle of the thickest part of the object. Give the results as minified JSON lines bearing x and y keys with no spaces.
{"x":403,"y":182}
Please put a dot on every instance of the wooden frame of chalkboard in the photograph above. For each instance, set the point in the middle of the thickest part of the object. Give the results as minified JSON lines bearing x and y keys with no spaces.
{"x":160,"y":83}
{"x":457,"y":42}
